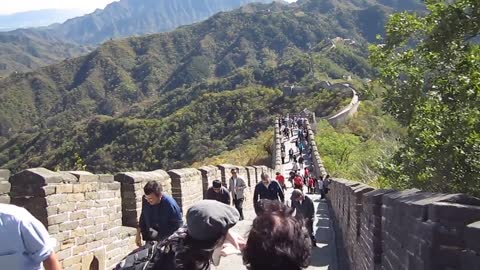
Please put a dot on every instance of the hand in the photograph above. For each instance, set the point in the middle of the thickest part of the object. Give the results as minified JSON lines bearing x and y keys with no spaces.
{"x":234,"y":244}
{"x":138,"y":238}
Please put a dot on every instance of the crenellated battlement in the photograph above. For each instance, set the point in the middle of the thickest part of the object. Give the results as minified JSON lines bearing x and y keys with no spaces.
{"x":93,"y":217}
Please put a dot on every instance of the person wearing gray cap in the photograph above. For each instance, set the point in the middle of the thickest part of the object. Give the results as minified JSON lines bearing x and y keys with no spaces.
{"x":203,"y":240}
{"x":304,"y":209}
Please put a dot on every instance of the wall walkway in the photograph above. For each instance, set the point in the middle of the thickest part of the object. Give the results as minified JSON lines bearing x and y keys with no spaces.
{"x":410,"y":229}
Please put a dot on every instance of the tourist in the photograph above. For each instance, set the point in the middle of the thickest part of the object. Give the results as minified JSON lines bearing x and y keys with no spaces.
{"x":326,"y":184}
{"x":237,"y":188}
{"x":25,"y":243}
{"x":304,"y":210}
{"x":267,"y":189}
{"x":281,"y":180}
{"x":277,"y":241}
{"x":204,"y":240}
{"x":311,"y":185}
{"x":218,"y":193}
{"x":283,"y":156}
{"x":298,"y":182}
{"x":290,"y":155}
{"x":161,"y":215}
{"x":295,"y":167}
{"x":321,"y":188}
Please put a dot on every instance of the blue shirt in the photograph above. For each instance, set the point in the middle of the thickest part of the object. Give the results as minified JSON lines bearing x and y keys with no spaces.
{"x":24,"y":241}
{"x":165,"y":217}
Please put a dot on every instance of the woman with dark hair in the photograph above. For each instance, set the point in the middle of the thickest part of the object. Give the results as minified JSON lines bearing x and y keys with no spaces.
{"x":277,"y":241}
{"x":204,"y":239}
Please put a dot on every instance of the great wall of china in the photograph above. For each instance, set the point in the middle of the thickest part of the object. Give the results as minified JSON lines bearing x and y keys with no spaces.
{"x":92,"y":217}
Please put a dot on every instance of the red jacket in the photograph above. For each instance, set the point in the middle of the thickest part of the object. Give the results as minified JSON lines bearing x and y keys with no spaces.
{"x":298,"y":181}
{"x":310,"y":182}
{"x":281,"y":179}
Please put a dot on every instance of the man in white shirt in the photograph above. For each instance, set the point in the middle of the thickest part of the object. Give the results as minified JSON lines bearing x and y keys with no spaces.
{"x":24,"y":242}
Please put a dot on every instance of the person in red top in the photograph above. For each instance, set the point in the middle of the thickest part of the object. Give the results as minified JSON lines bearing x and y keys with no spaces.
{"x":298,"y":182}
{"x":311,"y":185}
{"x":281,"y":180}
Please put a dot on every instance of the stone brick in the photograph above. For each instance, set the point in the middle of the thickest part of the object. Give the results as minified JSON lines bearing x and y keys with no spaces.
{"x":52,"y":210}
{"x":76,"y":259}
{"x":75,"y":197}
{"x":56,"y":199}
{"x":4,"y":174}
{"x":64,"y":188}
{"x":36,"y":176}
{"x":4,"y":187}
{"x":83,"y":176}
{"x":5,"y":199}
{"x":68,"y":226}
{"x":57,"y":219}
{"x":92,"y":213}
{"x":79,"y":249}
{"x":64,"y":254}
{"x":78,"y":215}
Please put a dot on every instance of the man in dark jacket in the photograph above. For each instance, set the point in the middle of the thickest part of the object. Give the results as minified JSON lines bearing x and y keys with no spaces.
{"x":304,"y":209}
{"x":161,"y":215}
{"x":218,"y":193}
{"x":267,"y":189}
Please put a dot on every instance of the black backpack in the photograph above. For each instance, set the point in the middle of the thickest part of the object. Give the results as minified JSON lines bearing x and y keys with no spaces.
{"x":150,"y":257}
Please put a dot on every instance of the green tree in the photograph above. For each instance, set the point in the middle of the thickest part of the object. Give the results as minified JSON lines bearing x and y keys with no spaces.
{"x":430,"y":66}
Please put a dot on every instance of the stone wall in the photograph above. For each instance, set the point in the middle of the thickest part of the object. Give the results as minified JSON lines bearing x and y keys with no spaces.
{"x":94,"y":217}
{"x":4,"y":186}
{"x":209,"y":173}
{"x":187,"y":187}
{"x":276,"y":151}
{"x":132,"y":184}
{"x":82,"y":211}
{"x":410,"y":229}
{"x":318,"y":168}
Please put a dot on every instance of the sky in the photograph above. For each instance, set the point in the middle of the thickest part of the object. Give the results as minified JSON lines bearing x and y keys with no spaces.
{"x":13,"y":6}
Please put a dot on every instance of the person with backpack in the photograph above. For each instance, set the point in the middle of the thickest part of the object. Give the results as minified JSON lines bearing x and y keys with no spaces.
{"x":161,"y":215}
{"x":204,"y":239}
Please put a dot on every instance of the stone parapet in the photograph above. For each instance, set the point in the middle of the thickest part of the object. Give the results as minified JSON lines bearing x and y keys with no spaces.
{"x":411,"y":229}
{"x":82,"y":211}
{"x":209,"y":173}
{"x":4,"y":186}
{"x":187,"y":187}
{"x":225,"y":172}
{"x":132,"y":184}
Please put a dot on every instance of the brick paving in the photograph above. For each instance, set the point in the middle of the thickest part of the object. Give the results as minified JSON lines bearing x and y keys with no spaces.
{"x":324,"y":256}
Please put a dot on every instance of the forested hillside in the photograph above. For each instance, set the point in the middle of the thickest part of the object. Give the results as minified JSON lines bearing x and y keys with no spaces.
{"x":150,"y":102}
{"x":28,"y":49}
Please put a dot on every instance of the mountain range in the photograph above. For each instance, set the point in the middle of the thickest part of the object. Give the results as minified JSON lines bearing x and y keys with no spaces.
{"x":167,"y":100}
{"x":37,"y":18}
{"x":28,"y":49}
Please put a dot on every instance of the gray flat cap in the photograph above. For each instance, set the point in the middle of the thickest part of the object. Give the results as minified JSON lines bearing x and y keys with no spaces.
{"x":209,"y":219}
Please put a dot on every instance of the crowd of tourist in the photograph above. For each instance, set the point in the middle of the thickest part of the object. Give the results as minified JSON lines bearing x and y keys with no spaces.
{"x":281,"y":235}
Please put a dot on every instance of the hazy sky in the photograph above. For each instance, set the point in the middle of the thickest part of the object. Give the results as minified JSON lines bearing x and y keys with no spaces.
{"x":13,"y":6}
